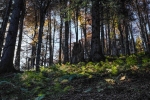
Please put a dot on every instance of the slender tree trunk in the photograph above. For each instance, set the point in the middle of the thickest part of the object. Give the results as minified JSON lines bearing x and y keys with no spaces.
{"x":6,"y":64}
{"x":60,"y":41}
{"x":132,"y":38}
{"x":126,"y":39}
{"x":114,"y":37}
{"x":70,"y":38}
{"x":45,"y":56}
{"x":50,"y":42}
{"x":4,"y":25}
{"x":121,"y":38}
{"x":33,"y":53}
{"x":44,"y":6}
{"x":42,"y":17}
{"x":109,"y":39}
{"x":86,"y":53}
{"x":102,"y":29}
{"x":77,"y":23}
{"x":17,"y":60}
{"x":66,"y":55}
{"x":106,"y":43}
{"x":54,"y":38}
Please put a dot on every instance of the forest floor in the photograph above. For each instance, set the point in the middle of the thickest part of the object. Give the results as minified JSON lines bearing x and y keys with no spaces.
{"x":120,"y":79}
{"x":126,"y":86}
{"x":129,"y":87}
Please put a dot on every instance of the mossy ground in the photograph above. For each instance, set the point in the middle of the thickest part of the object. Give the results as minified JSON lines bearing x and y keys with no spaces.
{"x":120,"y":79}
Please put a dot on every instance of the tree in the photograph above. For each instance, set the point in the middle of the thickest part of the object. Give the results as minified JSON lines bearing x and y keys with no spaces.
{"x":43,"y":8}
{"x":66,"y":54}
{"x":17,"y":60}
{"x":6,"y":64}
{"x":4,"y":25}
{"x":96,"y":52}
{"x":60,"y":38}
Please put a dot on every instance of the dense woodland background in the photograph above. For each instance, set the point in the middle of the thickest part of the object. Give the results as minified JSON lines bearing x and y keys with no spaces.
{"x":74,"y":49}
{"x":36,"y":33}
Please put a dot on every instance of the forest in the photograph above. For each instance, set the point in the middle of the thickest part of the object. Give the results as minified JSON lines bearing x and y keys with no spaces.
{"x":74,"y":49}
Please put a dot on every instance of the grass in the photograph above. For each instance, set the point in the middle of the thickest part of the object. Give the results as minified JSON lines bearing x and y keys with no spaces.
{"x":84,"y":80}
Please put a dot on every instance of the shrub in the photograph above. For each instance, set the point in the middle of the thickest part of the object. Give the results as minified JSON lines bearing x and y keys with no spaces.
{"x":131,"y":60}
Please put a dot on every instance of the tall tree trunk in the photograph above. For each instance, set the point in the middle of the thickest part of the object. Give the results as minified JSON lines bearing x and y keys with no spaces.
{"x":127,"y":38}
{"x":60,"y":41}
{"x":66,"y":54}
{"x":114,"y":37}
{"x":102,"y":29}
{"x":42,"y":18}
{"x":96,"y":52}
{"x":86,"y":53}
{"x":54,"y":38}
{"x":43,"y":8}
{"x":33,"y":53}
{"x":121,"y":38}
{"x":45,"y":56}
{"x":70,"y":39}
{"x":141,"y":25}
{"x":50,"y":42}
{"x":145,"y":32}
{"x":132,"y":38}
{"x":109,"y":39}
{"x":6,"y":64}
{"x":17,"y":60}
{"x":76,"y":23}
{"x":4,"y":25}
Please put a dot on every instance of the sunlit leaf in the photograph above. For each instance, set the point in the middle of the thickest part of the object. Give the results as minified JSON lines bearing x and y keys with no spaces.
{"x":64,"y":81}
{"x":110,"y":81}
{"x":122,"y":78}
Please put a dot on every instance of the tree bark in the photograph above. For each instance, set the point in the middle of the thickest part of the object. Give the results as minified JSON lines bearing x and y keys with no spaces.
{"x":60,"y":37}
{"x":132,"y":38}
{"x":121,"y":38}
{"x":6,"y":64}
{"x":102,"y":29}
{"x":4,"y":25}
{"x":44,"y":6}
{"x":50,"y":42}
{"x":33,"y":53}
{"x":96,"y":52}
{"x":126,"y":39}
{"x":66,"y":54}
{"x":17,"y":60}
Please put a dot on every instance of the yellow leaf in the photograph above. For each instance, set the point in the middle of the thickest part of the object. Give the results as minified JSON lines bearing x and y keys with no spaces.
{"x":122,"y":78}
{"x":110,"y":81}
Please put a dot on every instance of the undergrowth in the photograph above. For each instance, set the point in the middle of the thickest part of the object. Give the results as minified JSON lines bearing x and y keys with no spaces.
{"x":56,"y":80}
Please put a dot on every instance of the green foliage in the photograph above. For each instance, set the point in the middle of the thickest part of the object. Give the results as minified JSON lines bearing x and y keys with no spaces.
{"x":40,"y":97}
{"x":30,"y":79}
{"x":57,"y":87}
{"x":56,"y":80}
{"x":69,"y":77}
{"x":114,"y":70}
{"x":4,"y":85}
{"x":131,"y":60}
{"x":145,"y":61}
{"x":10,"y":91}
{"x":119,"y":61}
{"x":139,"y":44}
{"x":67,"y":88}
